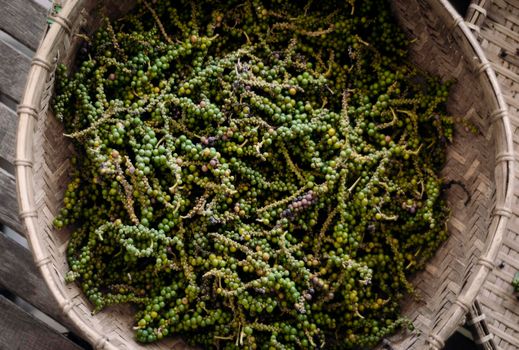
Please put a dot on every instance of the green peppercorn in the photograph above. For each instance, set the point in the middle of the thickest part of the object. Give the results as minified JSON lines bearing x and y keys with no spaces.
{"x":252,"y":176}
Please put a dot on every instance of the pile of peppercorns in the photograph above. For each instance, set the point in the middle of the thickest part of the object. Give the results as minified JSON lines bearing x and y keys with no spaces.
{"x":253,"y":174}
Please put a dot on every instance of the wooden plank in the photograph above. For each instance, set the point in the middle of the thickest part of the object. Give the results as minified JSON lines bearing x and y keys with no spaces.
{"x":8,"y":121}
{"x":8,"y":201}
{"x":505,"y":72}
{"x":21,"y":330}
{"x":498,"y":308}
{"x":498,"y":15}
{"x":19,"y":275}
{"x":506,"y":32}
{"x":501,"y":334}
{"x":512,"y":102}
{"x":14,"y":67}
{"x":512,"y":4}
{"x":496,"y":40}
{"x":505,"y":4}
{"x":15,"y":18}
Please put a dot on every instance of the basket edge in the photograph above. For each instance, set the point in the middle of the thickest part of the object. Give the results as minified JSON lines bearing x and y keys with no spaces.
{"x":504,"y":168}
{"x":28,"y":113}
{"x":28,"y":110}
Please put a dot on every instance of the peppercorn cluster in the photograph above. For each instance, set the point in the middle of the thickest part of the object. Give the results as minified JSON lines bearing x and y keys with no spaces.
{"x":253,"y":174}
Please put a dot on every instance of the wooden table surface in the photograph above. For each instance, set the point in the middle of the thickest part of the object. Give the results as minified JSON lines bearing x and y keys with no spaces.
{"x":30,"y":319}
{"x":29,"y":316}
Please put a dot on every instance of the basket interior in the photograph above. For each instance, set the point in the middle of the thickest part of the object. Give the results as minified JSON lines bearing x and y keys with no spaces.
{"x":471,"y":161}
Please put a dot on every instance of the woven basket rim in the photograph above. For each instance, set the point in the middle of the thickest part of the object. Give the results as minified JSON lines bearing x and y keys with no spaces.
{"x":28,"y":110}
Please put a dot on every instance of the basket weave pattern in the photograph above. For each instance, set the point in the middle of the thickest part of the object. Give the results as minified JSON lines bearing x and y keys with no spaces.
{"x":482,"y":161}
{"x":496,"y":25}
{"x":454,"y":276}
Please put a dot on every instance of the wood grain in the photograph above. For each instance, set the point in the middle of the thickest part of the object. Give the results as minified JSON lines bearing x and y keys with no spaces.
{"x":15,"y":17}
{"x":8,"y":121}
{"x":22,"y":331}
{"x":8,"y":201}
{"x":14,"y":68}
{"x":19,"y":275}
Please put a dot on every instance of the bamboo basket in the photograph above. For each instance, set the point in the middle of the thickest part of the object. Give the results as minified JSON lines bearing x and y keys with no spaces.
{"x":482,"y":161}
{"x":495,"y":24}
